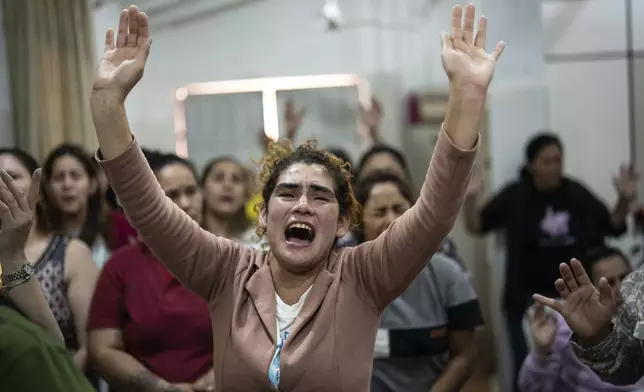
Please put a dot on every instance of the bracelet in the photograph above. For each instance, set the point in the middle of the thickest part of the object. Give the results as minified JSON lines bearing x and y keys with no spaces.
{"x":19,"y":277}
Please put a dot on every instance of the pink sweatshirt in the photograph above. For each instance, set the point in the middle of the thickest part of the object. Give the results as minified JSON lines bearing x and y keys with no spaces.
{"x":331,"y":344}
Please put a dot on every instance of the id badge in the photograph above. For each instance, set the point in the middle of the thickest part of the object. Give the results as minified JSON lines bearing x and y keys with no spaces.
{"x":638,"y":333}
{"x":382,"y":344}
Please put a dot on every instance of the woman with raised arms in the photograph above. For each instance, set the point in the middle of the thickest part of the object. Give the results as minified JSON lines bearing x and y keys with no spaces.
{"x":302,"y":316}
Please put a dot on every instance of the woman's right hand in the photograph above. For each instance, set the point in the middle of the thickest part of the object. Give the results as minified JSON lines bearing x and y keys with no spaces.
{"x":544,"y":329}
{"x":123,"y":62}
{"x":587,"y":310}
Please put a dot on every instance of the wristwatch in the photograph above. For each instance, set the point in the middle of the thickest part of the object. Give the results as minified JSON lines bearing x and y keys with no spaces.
{"x":19,"y":277}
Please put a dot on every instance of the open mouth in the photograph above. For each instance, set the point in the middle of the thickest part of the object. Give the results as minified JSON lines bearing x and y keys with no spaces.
{"x":68,"y":199}
{"x":299,"y":234}
{"x":226,"y":199}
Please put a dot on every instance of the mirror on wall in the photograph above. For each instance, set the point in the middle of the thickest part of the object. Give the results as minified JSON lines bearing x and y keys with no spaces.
{"x":228,"y":117}
{"x":224,"y":125}
{"x":330,"y":117}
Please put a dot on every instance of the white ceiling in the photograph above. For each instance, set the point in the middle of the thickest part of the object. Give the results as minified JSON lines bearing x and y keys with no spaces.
{"x":172,"y":13}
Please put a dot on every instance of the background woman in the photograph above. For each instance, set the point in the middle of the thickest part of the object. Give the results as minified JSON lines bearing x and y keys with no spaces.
{"x":384,"y":158}
{"x":426,"y":336}
{"x":33,"y":356}
{"x":226,"y":187}
{"x":72,"y":202}
{"x":63,"y":266}
{"x":302,"y":315}
{"x":159,"y":333}
{"x":547,"y":219}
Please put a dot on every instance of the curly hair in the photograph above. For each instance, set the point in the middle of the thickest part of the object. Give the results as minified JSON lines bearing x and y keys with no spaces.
{"x":281,"y":156}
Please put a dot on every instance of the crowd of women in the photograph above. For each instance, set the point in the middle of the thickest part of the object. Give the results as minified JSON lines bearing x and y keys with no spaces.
{"x":306,"y":274}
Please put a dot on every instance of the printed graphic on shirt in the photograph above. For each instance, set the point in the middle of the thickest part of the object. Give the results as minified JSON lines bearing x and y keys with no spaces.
{"x":554,"y":223}
{"x":555,"y":226}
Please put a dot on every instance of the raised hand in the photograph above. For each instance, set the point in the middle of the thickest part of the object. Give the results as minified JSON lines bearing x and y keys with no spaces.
{"x":123,"y":62}
{"x":544,"y":329}
{"x":371,"y":117}
{"x":587,"y":310}
{"x":17,"y":212}
{"x":293,"y":119}
{"x":626,"y":182}
{"x":465,"y":60}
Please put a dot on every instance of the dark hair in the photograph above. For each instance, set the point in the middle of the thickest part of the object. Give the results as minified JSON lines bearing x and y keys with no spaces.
{"x":26,"y":160}
{"x":163,"y":160}
{"x":151,"y":156}
{"x":535,"y":145}
{"x":49,"y":216}
{"x":280,"y":158}
{"x":382,"y":149}
{"x":365,"y":186}
{"x":159,"y":160}
{"x":597,"y":254}
{"x":240,"y":222}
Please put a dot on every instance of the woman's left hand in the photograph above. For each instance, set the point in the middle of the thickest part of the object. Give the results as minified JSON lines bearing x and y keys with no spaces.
{"x":626,"y":182}
{"x":465,"y":60}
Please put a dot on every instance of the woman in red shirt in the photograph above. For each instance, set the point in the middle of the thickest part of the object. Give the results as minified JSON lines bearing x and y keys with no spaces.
{"x":147,"y":332}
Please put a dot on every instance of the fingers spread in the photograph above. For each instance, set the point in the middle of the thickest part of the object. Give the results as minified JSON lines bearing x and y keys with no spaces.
{"x":121,"y":38}
{"x":133,"y":26}
{"x":568,"y":277}
{"x":144,"y":26}
{"x":468,"y":24}
{"x":457,"y":20}
{"x":549,"y":302}
{"x":144,"y":40}
{"x":606,"y":293}
{"x":142,"y":55}
{"x":109,"y":40}
{"x":498,"y":50}
{"x":446,"y":41}
{"x":579,"y":273}
{"x":481,"y":34}
{"x":561,"y":288}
